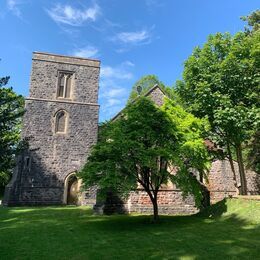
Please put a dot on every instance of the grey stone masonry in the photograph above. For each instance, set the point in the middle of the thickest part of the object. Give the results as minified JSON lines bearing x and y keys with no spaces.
{"x":156,"y":95}
{"x":221,"y":181}
{"x":42,"y":170}
{"x":44,"y":77}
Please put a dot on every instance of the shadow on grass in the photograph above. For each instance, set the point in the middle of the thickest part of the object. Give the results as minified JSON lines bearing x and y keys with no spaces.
{"x":75,"y":233}
{"x":214,"y":211}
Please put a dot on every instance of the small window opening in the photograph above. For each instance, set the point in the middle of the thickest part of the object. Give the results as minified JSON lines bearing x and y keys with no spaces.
{"x":27,"y":163}
{"x":60,"y":122}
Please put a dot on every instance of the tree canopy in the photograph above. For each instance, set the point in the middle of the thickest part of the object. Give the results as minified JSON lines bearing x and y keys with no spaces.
{"x":144,"y":146}
{"x":221,"y":82}
{"x":253,"y":20}
{"x":11,"y":110}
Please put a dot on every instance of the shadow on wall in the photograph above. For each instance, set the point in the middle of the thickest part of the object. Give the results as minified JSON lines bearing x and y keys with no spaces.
{"x":108,"y":203}
{"x":33,"y":183}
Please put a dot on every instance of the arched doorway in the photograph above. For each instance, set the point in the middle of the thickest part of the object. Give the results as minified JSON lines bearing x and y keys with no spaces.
{"x":72,"y":193}
{"x":71,"y":190}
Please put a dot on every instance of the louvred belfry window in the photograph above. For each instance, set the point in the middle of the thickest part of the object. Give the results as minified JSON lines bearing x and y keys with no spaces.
{"x":65,"y":84}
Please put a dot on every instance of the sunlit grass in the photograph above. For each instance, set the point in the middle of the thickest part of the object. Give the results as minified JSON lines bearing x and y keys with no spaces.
{"x":228,"y":230}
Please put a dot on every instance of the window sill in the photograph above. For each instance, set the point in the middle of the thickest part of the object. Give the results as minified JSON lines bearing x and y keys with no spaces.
{"x":61,"y":98}
{"x":60,"y":133}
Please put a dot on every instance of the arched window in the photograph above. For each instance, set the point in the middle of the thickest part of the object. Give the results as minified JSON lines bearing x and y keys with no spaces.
{"x":61,"y":120}
{"x":64,"y":84}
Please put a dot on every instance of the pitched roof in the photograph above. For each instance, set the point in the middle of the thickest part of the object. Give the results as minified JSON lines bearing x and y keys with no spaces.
{"x":149,"y":92}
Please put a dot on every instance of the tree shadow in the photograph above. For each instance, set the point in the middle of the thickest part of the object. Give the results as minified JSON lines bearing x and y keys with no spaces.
{"x":215,"y":211}
{"x":81,"y":234}
{"x":109,"y":203}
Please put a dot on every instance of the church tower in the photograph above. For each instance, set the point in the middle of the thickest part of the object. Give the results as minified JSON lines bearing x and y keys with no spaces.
{"x":60,"y":126}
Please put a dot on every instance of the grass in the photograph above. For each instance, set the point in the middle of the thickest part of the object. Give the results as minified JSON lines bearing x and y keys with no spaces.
{"x":228,"y":230}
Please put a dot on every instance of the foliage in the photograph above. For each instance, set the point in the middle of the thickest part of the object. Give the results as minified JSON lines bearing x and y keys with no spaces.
{"x":11,"y":110}
{"x":221,"y":82}
{"x":191,"y":155}
{"x":75,"y":233}
{"x":146,"y":83}
{"x":253,"y":20}
{"x":142,"y":145}
{"x":253,"y":147}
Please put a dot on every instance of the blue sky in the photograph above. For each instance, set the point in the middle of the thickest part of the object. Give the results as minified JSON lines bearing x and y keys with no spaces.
{"x":132,"y":38}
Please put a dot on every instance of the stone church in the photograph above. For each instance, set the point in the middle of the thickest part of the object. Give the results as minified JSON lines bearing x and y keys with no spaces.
{"x":60,"y":126}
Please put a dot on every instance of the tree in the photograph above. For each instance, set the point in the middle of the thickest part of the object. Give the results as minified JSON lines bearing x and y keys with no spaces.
{"x":142,"y":147}
{"x":253,"y":155}
{"x":191,"y":157}
{"x":11,"y":110}
{"x":221,"y":82}
{"x":146,"y":83}
{"x":253,"y":21}
{"x":253,"y":147}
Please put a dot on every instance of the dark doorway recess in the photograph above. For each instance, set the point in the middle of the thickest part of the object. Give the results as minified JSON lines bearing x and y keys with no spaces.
{"x":72,"y":195}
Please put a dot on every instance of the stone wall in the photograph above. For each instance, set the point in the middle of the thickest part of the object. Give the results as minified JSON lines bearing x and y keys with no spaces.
{"x":44,"y":77}
{"x":221,"y":184}
{"x":156,"y":95}
{"x":42,"y":169}
{"x":169,"y":202}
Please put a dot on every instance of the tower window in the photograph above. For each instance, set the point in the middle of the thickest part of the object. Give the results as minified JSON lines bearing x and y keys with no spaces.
{"x":64,"y":84}
{"x":61,"y":119}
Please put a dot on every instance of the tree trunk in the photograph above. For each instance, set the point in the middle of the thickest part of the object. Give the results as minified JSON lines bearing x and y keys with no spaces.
{"x":155,"y":209}
{"x":153,"y":198}
{"x":231,"y":162}
{"x":241,"y":170}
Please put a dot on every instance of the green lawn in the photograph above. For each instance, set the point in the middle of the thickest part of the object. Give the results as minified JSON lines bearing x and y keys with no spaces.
{"x":229,"y":230}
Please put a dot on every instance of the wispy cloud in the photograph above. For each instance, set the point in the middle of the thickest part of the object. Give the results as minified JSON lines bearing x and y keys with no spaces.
{"x":137,"y":37}
{"x":115,"y":73}
{"x":153,"y":5}
{"x":86,"y":52}
{"x":69,"y":15}
{"x":128,"y":63}
{"x":113,"y":90}
{"x":13,"y":6}
{"x":128,"y":39}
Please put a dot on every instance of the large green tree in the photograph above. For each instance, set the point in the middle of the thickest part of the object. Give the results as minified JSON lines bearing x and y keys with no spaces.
{"x":143,"y":146}
{"x":11,"y":110}
{"x":221,"y":82}
{"x":253,"y":147}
